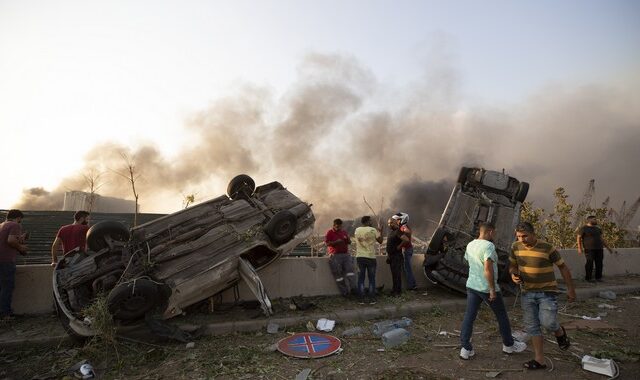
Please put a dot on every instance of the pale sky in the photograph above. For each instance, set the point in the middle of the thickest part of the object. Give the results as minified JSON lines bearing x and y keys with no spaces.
{"x":77,"y":73}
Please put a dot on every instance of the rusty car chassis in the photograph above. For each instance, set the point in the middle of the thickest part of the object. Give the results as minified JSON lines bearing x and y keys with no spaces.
{"x":180,"y":259}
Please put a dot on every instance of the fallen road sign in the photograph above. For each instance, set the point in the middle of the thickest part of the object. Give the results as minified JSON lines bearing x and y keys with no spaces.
{"x":309,"y":345}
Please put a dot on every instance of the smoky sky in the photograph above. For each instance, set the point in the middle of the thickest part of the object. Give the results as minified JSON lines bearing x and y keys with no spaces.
{"x":338,"y":135}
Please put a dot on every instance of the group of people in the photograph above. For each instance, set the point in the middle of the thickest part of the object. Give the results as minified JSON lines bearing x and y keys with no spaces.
{"x":531,"y":266}
{"x":399,"y":250}
{"x":70,"y":238}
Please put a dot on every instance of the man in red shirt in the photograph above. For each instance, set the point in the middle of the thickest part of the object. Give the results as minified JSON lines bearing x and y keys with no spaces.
{"x":11,"y":243}
{"x":340,"y":260}
{"x":72,"y":237}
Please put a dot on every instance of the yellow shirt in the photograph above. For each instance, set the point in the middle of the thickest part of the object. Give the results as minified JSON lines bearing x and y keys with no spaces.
{"x":365,"y":241}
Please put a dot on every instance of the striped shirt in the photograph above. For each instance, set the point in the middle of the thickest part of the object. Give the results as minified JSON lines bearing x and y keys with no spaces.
{"x":536,"y":265}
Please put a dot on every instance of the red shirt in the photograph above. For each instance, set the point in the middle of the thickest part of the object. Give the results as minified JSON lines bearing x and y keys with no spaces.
{"x":7,"y":252}
{"x":73,"y":236}
{"x":333,"y":235}
{"x":406,"y":231}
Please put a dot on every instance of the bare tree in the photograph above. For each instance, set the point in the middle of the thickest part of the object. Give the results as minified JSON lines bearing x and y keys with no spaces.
{"x":92,"y":180}
{"x":131,"y":176}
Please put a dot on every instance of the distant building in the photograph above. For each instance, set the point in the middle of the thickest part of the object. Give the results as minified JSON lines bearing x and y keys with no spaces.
{"x":80,"y":200}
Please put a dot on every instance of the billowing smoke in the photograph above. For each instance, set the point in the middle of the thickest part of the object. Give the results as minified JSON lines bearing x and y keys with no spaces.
{"x":336,"y":135}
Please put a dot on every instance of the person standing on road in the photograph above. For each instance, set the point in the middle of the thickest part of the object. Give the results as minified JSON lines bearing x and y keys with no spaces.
{"x":394,"y":255}
{"x":531,"y":265}
{"x":591,"y":243}
{"x":11,"y":243}
{"x":340,"y":261}
{"x":407,"y":248}
{"x":482,"y":286}
{"x":71,"y":237}
{"x":366,"y":237}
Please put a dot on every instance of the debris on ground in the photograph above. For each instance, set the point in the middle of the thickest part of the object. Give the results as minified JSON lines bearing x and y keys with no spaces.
{"x":190,"y":345}
{"x":382,"y":327}
{"x":353,"y":331}
{"x":605,"y":367}
{"x":607,"y":294}
{"x":583,"y":324}
{"x":304,"y":374}
{"x":325,"y":324}
{"x":272,"y":327}
{"x":395,"y":337}
{"x":606,"y":306}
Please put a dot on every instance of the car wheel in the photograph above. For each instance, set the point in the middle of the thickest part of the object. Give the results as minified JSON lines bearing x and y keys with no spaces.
{"x":464,"y":172}
{"x":133,"y":300}
{"x":435,"y":244}
{"x":521,"y":194}
{"x":100,"y":234}
{"x":281,"y":227}
{"x":241,"y":187}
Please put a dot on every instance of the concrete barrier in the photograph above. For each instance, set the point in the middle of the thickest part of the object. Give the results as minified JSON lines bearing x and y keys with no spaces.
{"x":294,"y":276}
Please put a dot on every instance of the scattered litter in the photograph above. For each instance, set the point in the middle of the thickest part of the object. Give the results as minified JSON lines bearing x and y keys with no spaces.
{"x":602,"y":314}
{"x":395,"y":337}
{"x":190,"y":345}
{"x":353,"y":331}
{"x":587,"y":318}
{"x":635,"y":297}
{"x":425,"y":293}
{"x":304,"y":374}
{"x":380,"y":350}
{"x":310,"y":326}
{"x":303,"y":305}
{"x":272,"y":327}
{"x":382,"y":327}
{"x":606,"y":306}
{"x":325,"y":324}
{"x":602,"y":366}
{"x":520,"y":336}
{"x":82,"y":370}
{"x":493,"y":374}
{"x":271,"y":348}
{"x":607,"y":294}
{"x":447,"y":333}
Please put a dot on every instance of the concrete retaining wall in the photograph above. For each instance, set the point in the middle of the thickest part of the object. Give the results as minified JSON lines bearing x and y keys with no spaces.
{"x":292,"y":276}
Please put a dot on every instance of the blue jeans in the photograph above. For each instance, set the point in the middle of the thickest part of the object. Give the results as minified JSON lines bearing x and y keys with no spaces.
{"x":540,"y":309}
{"x":411,"y":281}
{"x":7,"y":284}
{"x":474,"y":300}
{"x":366,"y":266}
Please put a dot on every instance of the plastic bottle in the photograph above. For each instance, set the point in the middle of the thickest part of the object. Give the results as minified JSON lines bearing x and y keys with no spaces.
{"x":382,"y":327}
{"x":395,"y":337}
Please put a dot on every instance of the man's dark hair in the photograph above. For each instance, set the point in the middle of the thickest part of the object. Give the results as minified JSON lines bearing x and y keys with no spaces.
{"x":337,"y":221}
{"x":80,"y":214}
{"x":14,"y":213}
{"x":487,"y":226}
{"x":365,"y":219}
{"x":525,"y":227}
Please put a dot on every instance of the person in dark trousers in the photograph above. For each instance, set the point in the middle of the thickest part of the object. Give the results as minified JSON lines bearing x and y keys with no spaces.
{"x":394,"y":255}
{"x":591,"y":243}
{"x":72,"y":237}
{"x":12,"y":243}
{"x":340,"y":261}
{"x":482,"y":287}
{"x":365,"y":237}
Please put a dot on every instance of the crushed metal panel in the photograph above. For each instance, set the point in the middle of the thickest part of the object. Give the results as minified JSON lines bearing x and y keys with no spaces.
{"x":251,"y":278}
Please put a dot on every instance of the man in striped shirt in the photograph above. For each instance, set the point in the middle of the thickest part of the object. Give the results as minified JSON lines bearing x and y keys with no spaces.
{"x":531,"y":266}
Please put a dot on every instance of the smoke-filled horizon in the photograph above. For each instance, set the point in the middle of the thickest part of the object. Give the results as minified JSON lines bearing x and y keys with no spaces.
{"x":330,"y":141}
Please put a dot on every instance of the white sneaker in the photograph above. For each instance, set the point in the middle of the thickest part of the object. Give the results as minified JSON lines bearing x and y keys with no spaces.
{"x":466,"y":354}
{"x":517,"y":347}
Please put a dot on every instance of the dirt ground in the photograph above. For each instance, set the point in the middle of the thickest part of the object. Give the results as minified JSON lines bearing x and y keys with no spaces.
{"x":429,"y":354}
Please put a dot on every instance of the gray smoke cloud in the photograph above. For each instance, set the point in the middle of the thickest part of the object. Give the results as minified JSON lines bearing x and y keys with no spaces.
{"x":331,"y":141}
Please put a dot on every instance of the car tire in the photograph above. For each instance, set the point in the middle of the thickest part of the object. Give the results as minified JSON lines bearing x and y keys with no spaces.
{"x":435,"y":244}
{"x":241,"y":187}
{"x":132,"y":300}
{"x":523,"y":190}
{"x":282,"y":227}
{"x":462,"y":176}
{"x":97,"y":234}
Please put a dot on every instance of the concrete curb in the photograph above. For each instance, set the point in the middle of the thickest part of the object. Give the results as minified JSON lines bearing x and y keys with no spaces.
{"x":341,"y":316}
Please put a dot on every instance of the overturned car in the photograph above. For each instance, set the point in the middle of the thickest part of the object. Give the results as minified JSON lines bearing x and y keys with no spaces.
{"x":182,"y":258}
{"x":479,"y":196}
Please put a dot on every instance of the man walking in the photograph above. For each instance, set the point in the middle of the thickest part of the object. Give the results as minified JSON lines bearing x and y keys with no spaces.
{"x":366,"y":236}
{"x":591,"y":243}
{"x":531,"y":265}
{"x":71,"y":237}
{"x":340,"y":261}
{"x":11,"y":243}
{"x":482,"y":286}
{"x":394,"y":255}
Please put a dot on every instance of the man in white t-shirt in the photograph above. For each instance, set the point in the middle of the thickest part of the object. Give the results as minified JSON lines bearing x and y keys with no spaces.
{"x":366,"y":236}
